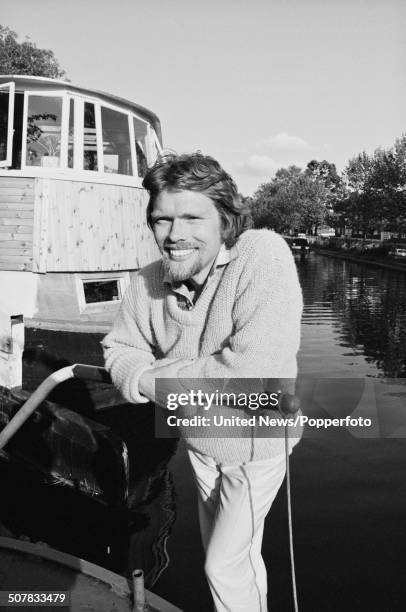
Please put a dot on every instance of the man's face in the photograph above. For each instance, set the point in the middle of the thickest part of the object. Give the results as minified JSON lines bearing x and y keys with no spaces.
{"x":187,"y":229}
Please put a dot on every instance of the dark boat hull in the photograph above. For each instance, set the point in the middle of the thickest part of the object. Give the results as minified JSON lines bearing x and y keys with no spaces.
{"x":67,"y":448}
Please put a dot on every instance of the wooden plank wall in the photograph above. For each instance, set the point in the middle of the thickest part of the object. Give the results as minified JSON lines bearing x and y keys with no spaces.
{"x":92,"y":227}
{"x":16,"y":223}
{"x":41,"y":207}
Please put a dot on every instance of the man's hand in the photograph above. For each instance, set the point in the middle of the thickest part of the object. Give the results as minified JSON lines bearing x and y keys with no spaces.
{"x":290,"y":404}
{"x":164,"y":368}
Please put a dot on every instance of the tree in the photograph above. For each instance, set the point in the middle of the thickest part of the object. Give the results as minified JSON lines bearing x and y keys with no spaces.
{"x":291,"y":201}
{"x":272,"y":207}
{"x":357,"y":209}
{"x":377,"y":190}
{"x":288,"y":173}
{"x":385,"y":186}
{"x":26,"y":57}
{"x":399,"y":151}
{"x":325,"y":172}
{"x":358,"y":171}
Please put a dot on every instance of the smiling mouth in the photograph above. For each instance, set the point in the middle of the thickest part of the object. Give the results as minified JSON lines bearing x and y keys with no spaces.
{"x":179,"y":254}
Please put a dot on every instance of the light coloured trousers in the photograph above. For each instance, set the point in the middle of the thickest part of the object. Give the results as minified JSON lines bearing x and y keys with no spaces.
{"x":233,"y":503}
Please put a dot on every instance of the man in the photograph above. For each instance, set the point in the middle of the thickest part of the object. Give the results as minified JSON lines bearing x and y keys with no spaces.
{"x":224,"y":302}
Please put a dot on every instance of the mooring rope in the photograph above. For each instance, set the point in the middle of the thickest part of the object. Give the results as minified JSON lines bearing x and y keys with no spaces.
{"x":290,"y":522}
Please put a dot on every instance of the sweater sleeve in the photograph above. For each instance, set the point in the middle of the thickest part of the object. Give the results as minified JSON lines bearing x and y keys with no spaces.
{"x":128,"y":351}
{"x":266,"y":320}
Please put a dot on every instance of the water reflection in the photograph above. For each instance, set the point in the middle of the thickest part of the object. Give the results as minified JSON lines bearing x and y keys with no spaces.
{"x":362,"y":310}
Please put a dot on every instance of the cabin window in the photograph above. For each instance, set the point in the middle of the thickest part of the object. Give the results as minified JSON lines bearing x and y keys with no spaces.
{"x":140,"y":137}
{"x":59,"y":130}
{"x":155,"y":145}
{"x":97,"y":292}
{"x":18,"y":131}
{"x":6,"y":123}
{"x":44,"y":122}
{"x":89,"y":138}
{"x":101,"y":291}
{"x":116,"y":142}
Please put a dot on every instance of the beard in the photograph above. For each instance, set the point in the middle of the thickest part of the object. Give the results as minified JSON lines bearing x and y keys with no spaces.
{"x":178,"y":271}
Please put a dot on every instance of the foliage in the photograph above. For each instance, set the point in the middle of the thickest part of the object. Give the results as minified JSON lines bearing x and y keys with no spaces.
{"x":324,"y":172}
{"x":26,"y":57}
{"x":369,"y":196}
{"x":50,"y":143}
{"x":376,"y":191}
{"x":293,"y":200}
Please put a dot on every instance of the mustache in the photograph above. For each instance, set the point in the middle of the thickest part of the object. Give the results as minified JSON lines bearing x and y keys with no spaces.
{"x":179,"y":245}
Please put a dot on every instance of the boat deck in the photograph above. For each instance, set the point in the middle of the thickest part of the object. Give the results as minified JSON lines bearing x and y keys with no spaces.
{"x":87,"y":587}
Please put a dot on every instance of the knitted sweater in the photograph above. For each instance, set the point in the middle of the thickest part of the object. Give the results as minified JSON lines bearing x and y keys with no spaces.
{"x":244,"y":325}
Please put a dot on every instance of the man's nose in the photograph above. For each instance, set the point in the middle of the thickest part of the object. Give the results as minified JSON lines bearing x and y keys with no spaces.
{"x":178,"y":230}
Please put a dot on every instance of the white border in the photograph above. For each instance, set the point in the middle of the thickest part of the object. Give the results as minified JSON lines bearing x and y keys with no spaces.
{"x":10,"y":125}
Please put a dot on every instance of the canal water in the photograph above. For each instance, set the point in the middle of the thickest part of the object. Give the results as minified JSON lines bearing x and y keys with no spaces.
{"x":348,"y":485}
{"x":348,"y":493}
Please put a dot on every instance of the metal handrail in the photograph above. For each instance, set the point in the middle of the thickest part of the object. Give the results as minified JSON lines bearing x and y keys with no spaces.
{"x":77,"y":370}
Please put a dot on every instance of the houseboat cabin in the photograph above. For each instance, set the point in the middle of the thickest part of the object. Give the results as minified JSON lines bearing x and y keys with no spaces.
{"x":72,"y":208}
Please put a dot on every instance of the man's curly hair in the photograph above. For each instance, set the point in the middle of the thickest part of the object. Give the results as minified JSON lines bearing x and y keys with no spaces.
{"x":197,"y":172}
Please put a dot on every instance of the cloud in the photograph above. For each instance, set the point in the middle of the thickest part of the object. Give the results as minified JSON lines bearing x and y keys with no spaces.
{"x":285,"y":142}
{"x":258,"y":165}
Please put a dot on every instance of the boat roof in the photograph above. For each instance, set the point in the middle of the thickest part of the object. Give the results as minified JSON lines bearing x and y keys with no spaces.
{"x":27,"y":80}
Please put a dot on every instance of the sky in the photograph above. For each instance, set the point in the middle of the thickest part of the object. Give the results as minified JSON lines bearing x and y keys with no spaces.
{"x":257,"y":84}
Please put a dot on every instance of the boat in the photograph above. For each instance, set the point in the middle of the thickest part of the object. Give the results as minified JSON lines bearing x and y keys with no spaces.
{"x":298,"y":244}
{"x":398,"y":253}
{"x":73,"y":228}
{"x":36,"y":573}
{"x":73,"y":232}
